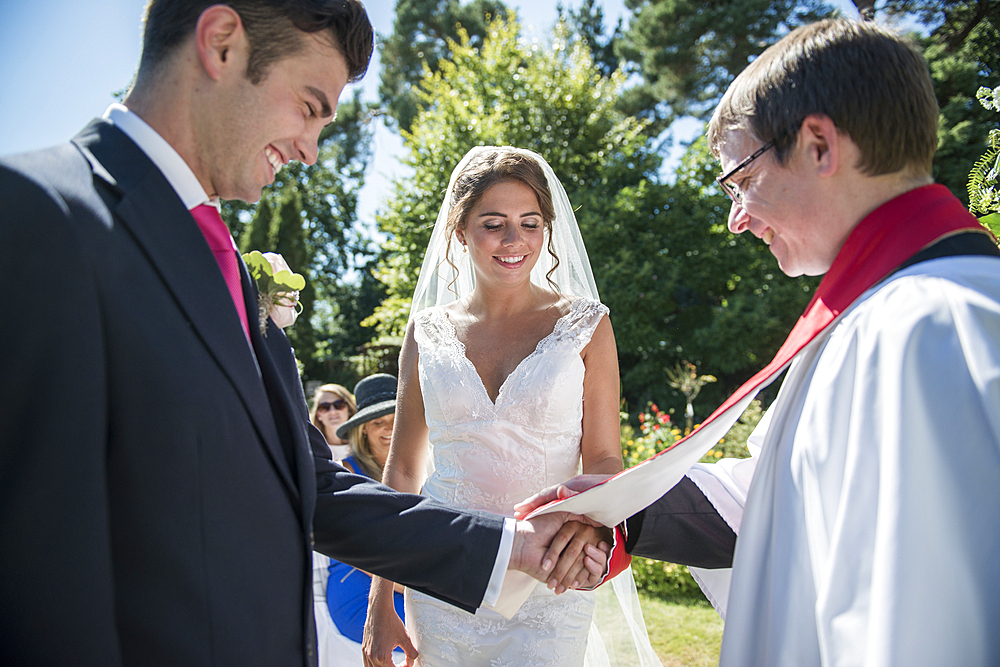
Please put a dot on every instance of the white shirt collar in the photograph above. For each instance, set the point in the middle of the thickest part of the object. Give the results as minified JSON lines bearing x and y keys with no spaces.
{"x":163,"y":155}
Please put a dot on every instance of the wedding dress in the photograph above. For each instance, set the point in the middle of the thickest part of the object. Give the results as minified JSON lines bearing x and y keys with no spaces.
{"x":490,"y":456}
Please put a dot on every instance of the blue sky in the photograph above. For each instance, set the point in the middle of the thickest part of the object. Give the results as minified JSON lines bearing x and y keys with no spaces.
{"x":62,"y":60}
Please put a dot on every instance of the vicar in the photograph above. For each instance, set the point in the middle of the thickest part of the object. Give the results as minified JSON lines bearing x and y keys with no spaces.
{"x":159,"y":480}
{"x":868,"y":522}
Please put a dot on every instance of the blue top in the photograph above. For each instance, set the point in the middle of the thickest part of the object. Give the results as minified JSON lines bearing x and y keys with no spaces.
{"x":347,"y":591}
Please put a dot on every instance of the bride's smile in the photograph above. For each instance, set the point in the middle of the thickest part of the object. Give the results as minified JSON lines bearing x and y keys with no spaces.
{"x":504,"y":233}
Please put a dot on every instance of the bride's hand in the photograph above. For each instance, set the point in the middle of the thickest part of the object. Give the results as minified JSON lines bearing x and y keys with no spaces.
{"x":580,"y":552}
{"x":384,"y":630}
{"x":557,"y":492}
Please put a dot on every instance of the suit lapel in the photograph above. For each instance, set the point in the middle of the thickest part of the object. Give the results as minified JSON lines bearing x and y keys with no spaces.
{"x":150,"y":209}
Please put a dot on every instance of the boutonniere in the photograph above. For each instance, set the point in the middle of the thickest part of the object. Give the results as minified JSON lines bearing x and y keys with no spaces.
{"x":277,"y":287}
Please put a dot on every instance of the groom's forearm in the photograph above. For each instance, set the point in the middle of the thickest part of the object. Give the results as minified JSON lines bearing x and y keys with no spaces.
{"x":444,"y":552}
{"x":682,"y":527}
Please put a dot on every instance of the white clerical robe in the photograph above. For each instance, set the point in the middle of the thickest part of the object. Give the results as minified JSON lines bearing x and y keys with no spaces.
{"x":871,"y":531}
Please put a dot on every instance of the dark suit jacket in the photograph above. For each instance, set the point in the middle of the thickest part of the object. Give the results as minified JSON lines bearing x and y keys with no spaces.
{"x":159,"y":482}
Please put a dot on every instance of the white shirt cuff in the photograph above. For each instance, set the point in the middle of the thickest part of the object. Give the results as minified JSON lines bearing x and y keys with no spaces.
{"x":500,"y":564}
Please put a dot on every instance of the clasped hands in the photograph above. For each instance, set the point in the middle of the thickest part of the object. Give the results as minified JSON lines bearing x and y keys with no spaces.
{"x":574,"y":549}
{"x":561,"y":549}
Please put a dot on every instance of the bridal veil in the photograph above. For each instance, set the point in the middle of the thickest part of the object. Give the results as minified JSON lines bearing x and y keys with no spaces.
{"x":617,"y":635}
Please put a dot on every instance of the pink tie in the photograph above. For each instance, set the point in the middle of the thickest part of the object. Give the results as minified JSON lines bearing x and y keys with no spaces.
{"x":222,"y":244}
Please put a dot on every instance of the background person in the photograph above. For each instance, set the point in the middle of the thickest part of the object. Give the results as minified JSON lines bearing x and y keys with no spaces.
{"x":332,"y":405}
{"x":369,"y":433}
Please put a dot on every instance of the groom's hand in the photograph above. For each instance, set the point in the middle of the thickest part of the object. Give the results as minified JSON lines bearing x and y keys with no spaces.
{"x":558,"y":492}
{"x":580,"y":552}
{"x":559,"y":553}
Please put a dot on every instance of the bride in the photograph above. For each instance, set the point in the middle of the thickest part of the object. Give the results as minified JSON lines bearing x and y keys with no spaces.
{"x":509,"y":380}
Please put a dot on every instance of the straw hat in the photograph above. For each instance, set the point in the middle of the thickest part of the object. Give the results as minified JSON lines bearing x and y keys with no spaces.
{"x":375,"y":396}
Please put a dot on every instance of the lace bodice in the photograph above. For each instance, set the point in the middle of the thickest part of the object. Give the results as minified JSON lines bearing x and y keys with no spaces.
{"x":490,"y":455}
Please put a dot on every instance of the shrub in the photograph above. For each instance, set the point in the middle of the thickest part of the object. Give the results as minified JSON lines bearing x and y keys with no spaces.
{"x":669,"y":581}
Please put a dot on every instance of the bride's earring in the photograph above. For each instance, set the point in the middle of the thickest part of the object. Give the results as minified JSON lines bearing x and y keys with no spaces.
{"x":465,"y":248}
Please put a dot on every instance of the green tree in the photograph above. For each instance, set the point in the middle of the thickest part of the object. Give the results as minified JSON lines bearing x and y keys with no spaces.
{"x":679,"y":285}
{"x":687,"y":52}
{"x":587,"y":23}
{"x":308,"y":215}
{"x":952,"y":22}
{"x":419,"y":41}
{"x":507,"y":92}
{"x":682,"y":287}
{"x":962,"y":48}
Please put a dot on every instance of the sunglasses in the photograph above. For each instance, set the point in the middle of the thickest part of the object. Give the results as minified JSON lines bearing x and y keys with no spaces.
{"x":338,"y":404}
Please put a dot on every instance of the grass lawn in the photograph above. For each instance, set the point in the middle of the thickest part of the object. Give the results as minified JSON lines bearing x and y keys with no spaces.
{"x":684,"y":633}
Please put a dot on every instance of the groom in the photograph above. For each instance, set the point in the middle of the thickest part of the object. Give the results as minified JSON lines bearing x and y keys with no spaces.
{"x":161,"y":490}
{"x":869,"y":531}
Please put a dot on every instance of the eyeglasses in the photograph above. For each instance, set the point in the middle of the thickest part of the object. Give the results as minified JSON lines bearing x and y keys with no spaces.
{"x":338,"y":404}
{"x":732,"y":189}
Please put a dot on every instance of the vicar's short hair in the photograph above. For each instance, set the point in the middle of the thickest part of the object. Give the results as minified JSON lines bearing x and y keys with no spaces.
{"x":873,"y":83}
{"x":274,"y":29}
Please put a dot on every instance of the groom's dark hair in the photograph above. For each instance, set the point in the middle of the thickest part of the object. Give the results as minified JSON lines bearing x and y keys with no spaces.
{"x":273,"y":27}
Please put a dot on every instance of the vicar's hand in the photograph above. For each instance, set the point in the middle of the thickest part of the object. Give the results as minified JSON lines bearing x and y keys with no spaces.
{"x":558,"y":492}
{"x":560,"y":555}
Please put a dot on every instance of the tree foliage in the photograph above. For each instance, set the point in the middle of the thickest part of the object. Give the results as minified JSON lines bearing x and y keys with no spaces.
{"x":962,"y":47}
{"x":682,"y":287}
{"x":587,"y":24}
{"x":419,"y":41}
{"x":951,"y":22}
{"x":687,"y":51}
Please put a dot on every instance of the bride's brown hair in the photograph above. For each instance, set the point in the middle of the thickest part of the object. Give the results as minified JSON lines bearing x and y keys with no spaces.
{"x":488,"y":169}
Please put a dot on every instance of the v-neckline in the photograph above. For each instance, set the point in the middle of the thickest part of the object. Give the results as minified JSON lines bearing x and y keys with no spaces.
{"x":475,"y":371}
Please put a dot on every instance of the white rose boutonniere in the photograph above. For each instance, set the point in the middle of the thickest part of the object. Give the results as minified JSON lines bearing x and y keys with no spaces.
{"x":278,"y":289}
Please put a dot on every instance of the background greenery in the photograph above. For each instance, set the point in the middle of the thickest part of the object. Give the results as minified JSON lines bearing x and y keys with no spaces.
{"x":599,"y":103}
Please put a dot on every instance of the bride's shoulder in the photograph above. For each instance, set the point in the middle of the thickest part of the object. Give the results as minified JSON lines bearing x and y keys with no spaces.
{"x":431,"y":313}
{"x":578,"y":313}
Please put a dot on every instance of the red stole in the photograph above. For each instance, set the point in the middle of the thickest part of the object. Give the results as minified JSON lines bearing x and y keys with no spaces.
{"x":877,"y":246}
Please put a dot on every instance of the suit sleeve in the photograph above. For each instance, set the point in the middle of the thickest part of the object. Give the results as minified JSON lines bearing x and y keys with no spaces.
{"x":682,"y":527}
{"x":406,"y":538}
{"x":403,"y":537}
{"x":55,"y":543}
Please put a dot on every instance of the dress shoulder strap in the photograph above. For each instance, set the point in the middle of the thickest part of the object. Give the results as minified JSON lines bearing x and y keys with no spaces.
{"x":430,"y":324}
{"x":578,"y":325}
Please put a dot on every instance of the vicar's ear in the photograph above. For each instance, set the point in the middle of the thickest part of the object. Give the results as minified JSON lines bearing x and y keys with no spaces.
{"x":821,"y":139}
{"x":219,"y":36}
